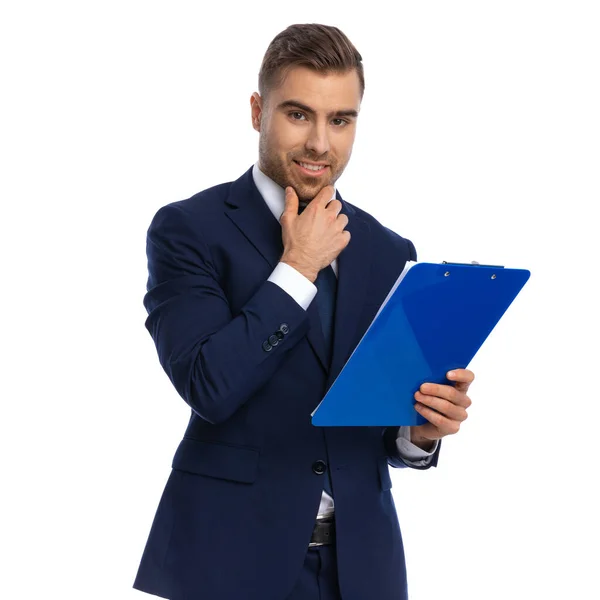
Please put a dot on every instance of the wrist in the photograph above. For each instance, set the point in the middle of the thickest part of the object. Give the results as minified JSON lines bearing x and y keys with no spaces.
{"x":421,"y":442}
{"x":309,"y":273}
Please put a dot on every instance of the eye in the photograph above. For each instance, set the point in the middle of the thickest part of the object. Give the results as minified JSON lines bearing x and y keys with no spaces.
{"x":295,"y":113}
{"x":342,"y":122}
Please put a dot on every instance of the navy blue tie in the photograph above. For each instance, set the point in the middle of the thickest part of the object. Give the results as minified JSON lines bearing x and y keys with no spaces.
{"x":326,"y":283}
{"x":326,"y":290}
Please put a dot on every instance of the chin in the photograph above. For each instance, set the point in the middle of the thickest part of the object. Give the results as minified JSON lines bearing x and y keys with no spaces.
{"x":309,"y":192}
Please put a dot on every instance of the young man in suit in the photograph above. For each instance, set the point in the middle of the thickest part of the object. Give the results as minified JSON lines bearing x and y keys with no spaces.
{"x":255,"y":305}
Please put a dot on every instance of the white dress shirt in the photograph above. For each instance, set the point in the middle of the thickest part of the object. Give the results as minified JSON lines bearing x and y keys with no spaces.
{"x":303,"y":291}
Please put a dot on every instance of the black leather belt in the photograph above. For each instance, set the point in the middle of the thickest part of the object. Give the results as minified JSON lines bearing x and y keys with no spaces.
{"x":323,"y":532}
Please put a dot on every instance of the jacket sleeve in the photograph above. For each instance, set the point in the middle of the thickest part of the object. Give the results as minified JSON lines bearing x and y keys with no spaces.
{"x":216,"y":360}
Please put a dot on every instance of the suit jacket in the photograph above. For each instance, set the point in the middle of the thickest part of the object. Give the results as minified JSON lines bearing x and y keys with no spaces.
{"x":239,"y":506}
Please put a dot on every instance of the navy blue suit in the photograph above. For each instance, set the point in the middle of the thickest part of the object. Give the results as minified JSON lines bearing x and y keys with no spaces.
{"x":237,"y":512}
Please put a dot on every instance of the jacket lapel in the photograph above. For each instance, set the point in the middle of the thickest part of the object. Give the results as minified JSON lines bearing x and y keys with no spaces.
{"x":251,"y":215}
{"x":354,"y":264}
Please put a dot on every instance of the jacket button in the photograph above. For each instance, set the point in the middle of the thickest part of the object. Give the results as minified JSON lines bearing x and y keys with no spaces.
{"x":319,"y":467}
{"x":279,"y":335}
{"x":267,"y":347}
{"x":284,"y":328}
{"x":273,"y":340}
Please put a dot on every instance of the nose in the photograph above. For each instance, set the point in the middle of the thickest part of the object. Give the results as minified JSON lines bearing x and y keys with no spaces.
{"x":318,"y":141}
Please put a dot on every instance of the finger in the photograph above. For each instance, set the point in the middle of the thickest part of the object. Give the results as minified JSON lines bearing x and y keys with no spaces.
{"x":324,"y":196}
{"x":444,"y":407}
{"x":335,"y":206}
{"x":291,"y":200}
{"x":445,"y":426}
{"x":463,"y":378}
{"x":447,"y":392}
{"x":342,"y":221}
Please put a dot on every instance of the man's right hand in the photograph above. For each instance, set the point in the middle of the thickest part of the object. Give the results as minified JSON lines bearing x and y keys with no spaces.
{"x":314,"y":239}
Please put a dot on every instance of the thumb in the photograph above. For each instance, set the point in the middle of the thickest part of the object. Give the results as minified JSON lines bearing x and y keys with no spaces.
{"x":291,"y":200}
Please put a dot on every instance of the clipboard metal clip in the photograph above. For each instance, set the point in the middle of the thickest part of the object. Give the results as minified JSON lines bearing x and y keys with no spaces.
{"x":472,"y":264}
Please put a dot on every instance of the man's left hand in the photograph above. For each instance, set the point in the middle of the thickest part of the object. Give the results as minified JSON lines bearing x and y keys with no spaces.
{"x":444,"y":406}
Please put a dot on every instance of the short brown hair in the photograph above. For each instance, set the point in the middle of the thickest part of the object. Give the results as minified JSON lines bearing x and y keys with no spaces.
{"x":323,"y":48}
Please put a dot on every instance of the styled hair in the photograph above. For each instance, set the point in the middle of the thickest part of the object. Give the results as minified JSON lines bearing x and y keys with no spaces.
{"x":323,"y":48}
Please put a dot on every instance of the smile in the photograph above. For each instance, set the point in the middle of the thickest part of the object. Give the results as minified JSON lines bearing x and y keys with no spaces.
{"x":312,"y":170}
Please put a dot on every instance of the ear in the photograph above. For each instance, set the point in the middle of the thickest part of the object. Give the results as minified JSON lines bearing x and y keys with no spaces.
{"x":256,"y":110}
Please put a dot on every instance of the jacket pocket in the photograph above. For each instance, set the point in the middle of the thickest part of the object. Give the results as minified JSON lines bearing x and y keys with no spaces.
{"x":215,"y":459}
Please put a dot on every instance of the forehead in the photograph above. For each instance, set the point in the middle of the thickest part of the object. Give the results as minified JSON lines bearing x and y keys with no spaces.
{"x":321,"y":91}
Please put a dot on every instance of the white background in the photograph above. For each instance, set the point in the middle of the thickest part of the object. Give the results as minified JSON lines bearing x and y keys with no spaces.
{"x":479,"y":139}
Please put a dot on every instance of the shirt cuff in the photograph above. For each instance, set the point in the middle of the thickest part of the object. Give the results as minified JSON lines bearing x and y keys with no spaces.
{"x":301,"y":289}
{"x":410,"y":452}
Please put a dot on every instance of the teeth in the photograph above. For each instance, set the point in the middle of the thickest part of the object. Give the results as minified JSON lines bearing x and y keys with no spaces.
{"x":312,"y":167}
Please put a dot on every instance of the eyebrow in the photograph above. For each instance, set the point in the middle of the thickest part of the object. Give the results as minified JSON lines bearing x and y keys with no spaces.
{"x":309,"y":110}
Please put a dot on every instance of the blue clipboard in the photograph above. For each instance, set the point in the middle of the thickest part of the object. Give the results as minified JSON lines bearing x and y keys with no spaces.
{"x":435,"y":320}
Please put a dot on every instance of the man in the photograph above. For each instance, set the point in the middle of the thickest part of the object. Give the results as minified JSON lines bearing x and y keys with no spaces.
{"x":254,"y":306}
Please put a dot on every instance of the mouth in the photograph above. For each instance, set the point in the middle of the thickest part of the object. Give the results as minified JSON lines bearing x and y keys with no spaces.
{"x":311,"y":169}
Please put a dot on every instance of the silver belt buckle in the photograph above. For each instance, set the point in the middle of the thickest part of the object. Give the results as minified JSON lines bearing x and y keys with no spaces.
{"x":327,"y":519}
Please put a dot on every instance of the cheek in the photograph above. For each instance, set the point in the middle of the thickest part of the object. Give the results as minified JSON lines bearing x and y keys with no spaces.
{"x":349,"y":142}
{"x":343,"y":146}
{"x":285,"y":137}
{"x":341,"y":156}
